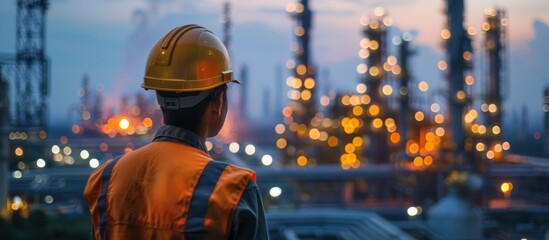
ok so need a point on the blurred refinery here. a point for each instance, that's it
(392, 159)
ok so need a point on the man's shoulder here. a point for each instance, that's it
(234, 166)
(235, 171)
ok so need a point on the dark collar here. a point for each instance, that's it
(180, 135)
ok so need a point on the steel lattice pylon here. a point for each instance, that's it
(31, 85)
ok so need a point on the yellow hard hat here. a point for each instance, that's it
(188, 58)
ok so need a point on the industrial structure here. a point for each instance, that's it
(358, 128)
(495, 46)
(301, 107)
(374, 50)
(29, 69)
(546, 120)
(378, 148)
(459, 52)
(32, 81)
(4, 144)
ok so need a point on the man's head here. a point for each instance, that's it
(189, 68)
(209, 113)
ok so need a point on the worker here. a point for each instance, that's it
(171, 188)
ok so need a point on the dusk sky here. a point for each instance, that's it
(110, 40)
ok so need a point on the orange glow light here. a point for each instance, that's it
(373, 110)
(429, 136)
(301, 69)
(19, 151)
(306, 95)
(361, 68)
(348, 129)
(428, 160)
(350, 148)
(364, 53)
(419, 116)
(301, 130)
(469, 80)
(346, 100)
(333, 141)
(467, 55)
(395, 137)
(418, 161)
(281, 143)
(357, 141)
(445, 34)
(374, 71)
(354, 122)
(357, 110)
(309, 83)
(147, 122)
(423, 86)
(442, 65)
(374, 45)
(76, 129)
(387, 90)
(414, 148)
(377, 123)
(396, 69)
(471, 31)
(439, 118)
(355, 100)
(302, 161)
(106, 129)
(506, 187)
(440, 131)
(287, 111)
(374, 25)
(124, 123)
(429, 146)
(314, 134)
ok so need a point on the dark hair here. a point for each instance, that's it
(188, 118)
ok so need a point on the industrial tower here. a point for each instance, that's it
(304, 71)
(546, 120)
(29, 68)
(495, 48)
(227, 24)
(4, 146)
(374, 51)
(404, 90)
(458, 50)
(301, 107)
(32, 78)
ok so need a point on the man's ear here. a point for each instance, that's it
(217, 103)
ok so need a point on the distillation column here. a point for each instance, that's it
(304, 71)
(375, 31)
(404, 54)
(457, 44)
(494, 26)
(546, 120)
(301, 105)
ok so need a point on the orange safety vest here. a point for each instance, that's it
(165, 190)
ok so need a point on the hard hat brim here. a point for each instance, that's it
(174, 103)
(178, 85)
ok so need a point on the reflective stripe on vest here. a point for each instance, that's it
(102, 201)
(200, 198)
